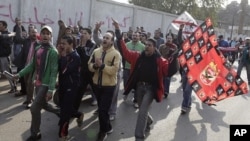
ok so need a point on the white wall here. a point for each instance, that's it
(87, 11)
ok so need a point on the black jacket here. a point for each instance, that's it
(21, 59)
(85, 53)
(5, 44)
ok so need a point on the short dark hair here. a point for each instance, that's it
(4, 23)
(70, 40)
(87, 29)
(152, 40)
(144, 34)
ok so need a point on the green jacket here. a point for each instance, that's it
(50, 71)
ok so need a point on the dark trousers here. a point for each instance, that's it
(67, 99)
(85, 81)
(22, 82)
(104, 96)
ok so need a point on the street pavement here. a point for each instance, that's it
(203, 123)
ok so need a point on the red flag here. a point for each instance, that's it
(210, 75)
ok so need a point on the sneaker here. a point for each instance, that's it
(102, 136)
(35, 138)
(28, 105)
(136, 105)
(79, 120)
(112, 117)
(94, 103)
(96, 112)
(110, 131)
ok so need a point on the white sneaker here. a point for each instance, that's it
(136, 105)
(112, 117)
(110, 131)
(94, 103)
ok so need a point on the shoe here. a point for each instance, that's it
(19, 94)
(166, 95)
(148, 128)
(136, 105)
(112, 117)
(96, 112)
(94, 103)
(79, 120)
(35, 138)
(12, 91)
(28, 105)
(102, 136)
(110, 131)
(65, 138)
(183, 111)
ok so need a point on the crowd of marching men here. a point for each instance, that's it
(83, 58)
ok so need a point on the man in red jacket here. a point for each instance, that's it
(148, 69)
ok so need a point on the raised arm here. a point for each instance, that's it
(127, 54)
(97, 36)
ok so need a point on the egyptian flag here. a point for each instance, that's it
(210, 75)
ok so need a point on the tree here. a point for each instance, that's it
(199, 10)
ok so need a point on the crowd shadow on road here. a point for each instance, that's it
(211, 116)
(186, 131)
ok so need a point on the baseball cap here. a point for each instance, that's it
(46, 27)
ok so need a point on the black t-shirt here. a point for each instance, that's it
(146, 69)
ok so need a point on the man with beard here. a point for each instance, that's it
(104, 62)
(135, 45)
(148, 69)
(23, 59)
(169, 52)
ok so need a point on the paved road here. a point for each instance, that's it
(203, 123)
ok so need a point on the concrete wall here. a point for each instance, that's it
(87, 11)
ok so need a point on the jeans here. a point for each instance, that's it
(240, 67)
(166, 83)
(17, 49)
(145, 98)
(113, 107)
(126, 73)
(29, 87)
(5, 66)
(187, 91)
(36, 107)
